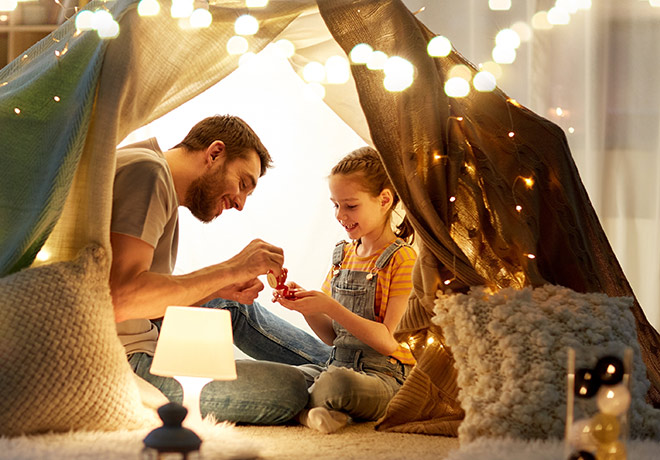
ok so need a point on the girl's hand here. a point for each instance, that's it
(309, 303)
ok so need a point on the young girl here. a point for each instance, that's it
(364, 297)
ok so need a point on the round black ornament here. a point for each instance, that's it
(586, 383)
(582, 455)
(609, 370)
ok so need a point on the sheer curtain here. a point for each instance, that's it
(596, 77)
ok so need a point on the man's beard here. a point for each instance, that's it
(203, 193)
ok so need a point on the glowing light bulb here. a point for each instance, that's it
(457, 87)
(360, 53)
(559, 111)
(8, 5)
(314, 91)
(237, 45)
(571, 6)
(511, 134)
(337, 70)
(108, 29)
(460, 71)
(148, 8)
(246, 25)
(181, 8)
(558, 16)
(430, 340)
(571, 130)
(376, 60)
(85, 20)
(201, 18)
(399, 73)
(447, 282)
(493, 68)
(499, 5)
(530, 256)
(540, 21)
(484, 81)
(285, 48)
(529, 182)
(43, 255)
(17, 111)
(101, 19)
(56, 98)
(518, 208)
(439, 46)
(523, 30)
(504, 55)
(452, 199)
(507, 38)
(314, 72)
(256, 3)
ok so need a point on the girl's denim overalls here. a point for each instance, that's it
(356, 379)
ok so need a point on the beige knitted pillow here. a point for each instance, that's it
(62, 366)
(510, 349)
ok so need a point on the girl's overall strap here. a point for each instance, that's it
(388, 253)
(338, 253)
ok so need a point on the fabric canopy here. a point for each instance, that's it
(490, 187)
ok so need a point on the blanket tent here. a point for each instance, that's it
(452, 160)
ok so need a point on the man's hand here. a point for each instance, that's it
(256, 259)
(244, 293)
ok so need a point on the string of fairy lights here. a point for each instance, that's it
(398, 73)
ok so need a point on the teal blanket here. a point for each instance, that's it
(46, 98)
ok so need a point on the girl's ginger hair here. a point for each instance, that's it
(366, 162)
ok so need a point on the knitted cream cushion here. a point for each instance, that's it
(62, 366)
(510, 349)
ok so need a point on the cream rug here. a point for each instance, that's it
(358, 441)
(223, 441)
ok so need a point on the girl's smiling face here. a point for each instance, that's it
(361, 214)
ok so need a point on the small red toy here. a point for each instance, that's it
(277, 283)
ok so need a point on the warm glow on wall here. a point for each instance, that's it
(8, 5)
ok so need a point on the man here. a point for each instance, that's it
(215, 168)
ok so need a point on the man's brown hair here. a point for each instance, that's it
(236, 134)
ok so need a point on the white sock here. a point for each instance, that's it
(323, 420)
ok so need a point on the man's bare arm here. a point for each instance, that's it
(139, 293)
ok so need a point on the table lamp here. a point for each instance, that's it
(195, 346)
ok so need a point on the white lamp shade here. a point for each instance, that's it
(195, 342)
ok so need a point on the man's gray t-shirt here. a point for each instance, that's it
(145, 206)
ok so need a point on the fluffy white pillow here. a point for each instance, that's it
(62, 365)
(510, 349)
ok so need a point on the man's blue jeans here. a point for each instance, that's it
(267, 391)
